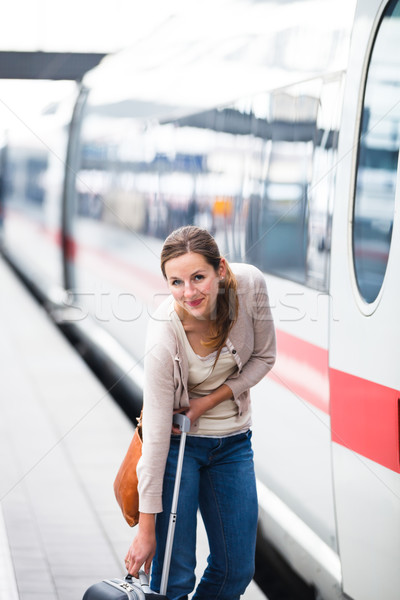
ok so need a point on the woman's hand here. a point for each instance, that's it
(199, 406)
(143, 547)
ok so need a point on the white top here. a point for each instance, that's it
(205, 376)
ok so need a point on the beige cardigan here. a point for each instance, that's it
(251, 342)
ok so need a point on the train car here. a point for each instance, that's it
(276, 126)
(32, 173)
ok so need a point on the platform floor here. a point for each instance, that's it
(62, 438)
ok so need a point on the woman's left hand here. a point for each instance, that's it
(198, 406)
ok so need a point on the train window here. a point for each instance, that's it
(275, 231)
(378, 156)
(277, 216)
(289, 215)
(256, 173)
(321, 189)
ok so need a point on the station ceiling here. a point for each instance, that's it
(47, 65)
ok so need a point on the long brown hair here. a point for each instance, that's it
(194, 239)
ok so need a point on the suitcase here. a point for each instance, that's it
(139, 589)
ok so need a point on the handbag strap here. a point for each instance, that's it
(139, 425)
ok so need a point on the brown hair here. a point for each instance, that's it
(194, 239)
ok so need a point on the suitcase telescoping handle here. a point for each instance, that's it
(183, 422)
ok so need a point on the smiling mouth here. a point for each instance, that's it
(195, 303)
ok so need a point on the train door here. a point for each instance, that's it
(365, 324)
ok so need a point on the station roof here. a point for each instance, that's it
(47, 65)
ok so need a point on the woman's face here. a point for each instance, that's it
(194, 283)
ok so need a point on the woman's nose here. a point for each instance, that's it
(189, 289)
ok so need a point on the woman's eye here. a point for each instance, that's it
(176, 282)
(198, 277)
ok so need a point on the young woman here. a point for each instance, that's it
(207, 345)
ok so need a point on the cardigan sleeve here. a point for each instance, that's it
(255, 315)
(158, 404)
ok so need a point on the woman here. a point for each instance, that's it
(208, 343)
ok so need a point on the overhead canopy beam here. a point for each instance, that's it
(47, 65)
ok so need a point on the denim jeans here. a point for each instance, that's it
(218, 478)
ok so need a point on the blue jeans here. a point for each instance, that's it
(217, 477)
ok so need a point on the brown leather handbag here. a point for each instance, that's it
(126, 481)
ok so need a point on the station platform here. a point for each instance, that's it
(62, 439)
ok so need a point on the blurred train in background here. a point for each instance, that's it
(279, 132)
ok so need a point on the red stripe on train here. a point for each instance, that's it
(70, 248)
(302, 368)
(365, 418)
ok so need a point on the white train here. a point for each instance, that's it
(276, 125)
